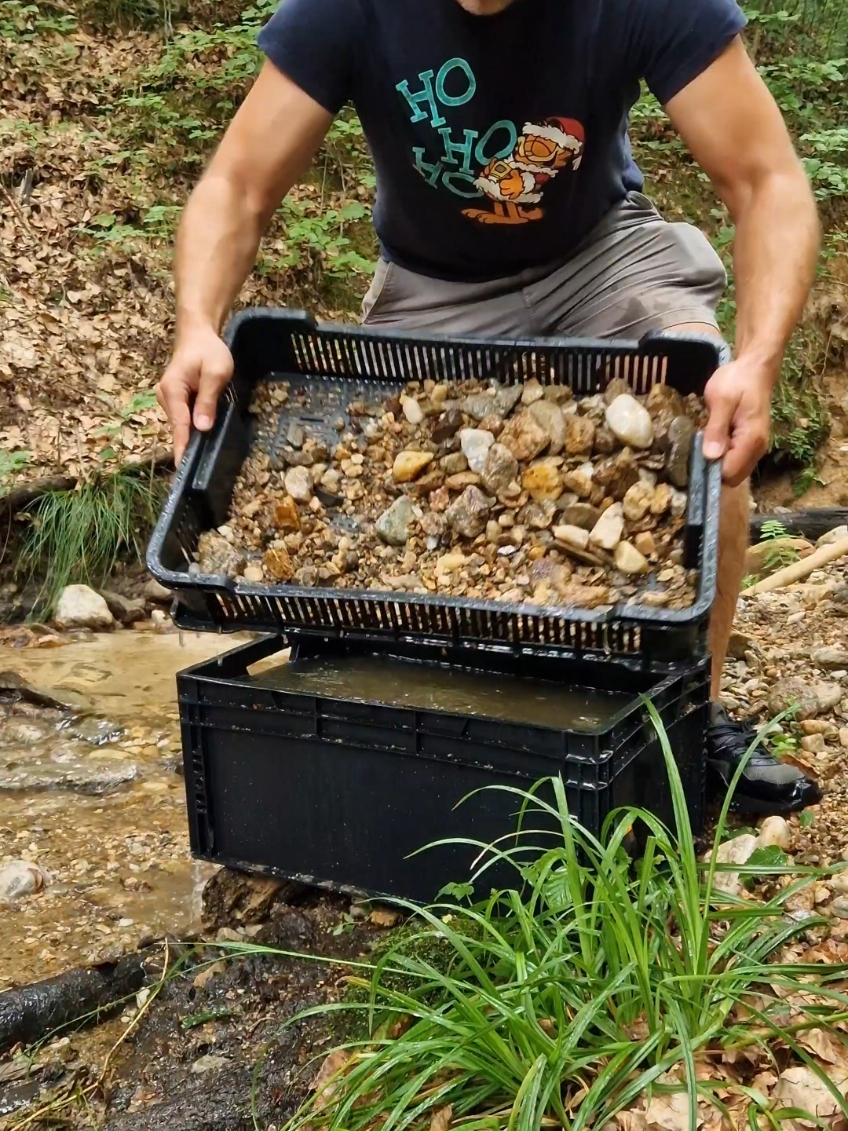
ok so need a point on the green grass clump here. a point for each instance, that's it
(597, 980)
(76, 537)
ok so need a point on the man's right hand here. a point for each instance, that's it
(200, 368)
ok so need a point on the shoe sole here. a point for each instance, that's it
(742, 803)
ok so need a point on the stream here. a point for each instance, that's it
(92, 793)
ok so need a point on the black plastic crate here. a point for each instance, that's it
(336, 365)
(339, 792)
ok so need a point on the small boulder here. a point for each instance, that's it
(218, 557)
(81, 607)
(447, 426)
(579, 435)
(637, 501)
(550, 417)
(629, 560)
(501, 469)
(542, 479)
(475, 445)
(630, 422)
(126, 610)
(775, 832)
(524, 437)
(408, 465)
(583, 515)
(467, 515)
(412, 410)
(299, 484)
(155, 591)
(393, 525)
(20, 878)
(609, 529)
(681, 436)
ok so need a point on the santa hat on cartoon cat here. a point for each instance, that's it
(566, 134)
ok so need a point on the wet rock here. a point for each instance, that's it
(605, 442)
(231, 897)
(277, 564)
(454, 463)
(630, 422)
(542, 480)
(20, 878)
(462, 480)
(467, 515)
(298, 482)
(524, 437)
(574, 537)
(579, 435)
(539, 515)
(609, 529)
(637, 501)
(629, 560)
(209, 1063)
(617, 387)
(831, 659)
(408, 465)
(579, 481)
(500, 470)
(617, 475)
(662, 398)
(126, 610)
(736, 851)
(587, 596)
(286, 514)
(681, 436)
(775, 832)
(154, 591)
(550, 417)
(393, 525)
(217, 556)
(832, 537)
(475, 447)
(479, 406)
(583, 515)
(81, 607)
(506, 398)
(447, 426)
(532, 392)
(661, 501)
(295, 435)
(412, 410)
(793, 692)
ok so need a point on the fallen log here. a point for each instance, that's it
(812, 524)
(799, 570)
(31, 1012)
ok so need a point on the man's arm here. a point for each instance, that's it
(268, 146)
(735, 132)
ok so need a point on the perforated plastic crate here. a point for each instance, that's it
(342, 790)
(333, 366)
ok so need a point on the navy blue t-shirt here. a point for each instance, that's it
(499, 141)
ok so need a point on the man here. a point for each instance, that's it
(508, 204)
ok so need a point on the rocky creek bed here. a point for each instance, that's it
(522, 494)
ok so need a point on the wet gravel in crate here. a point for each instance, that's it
(516, 493)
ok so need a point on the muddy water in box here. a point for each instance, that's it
(431, 687)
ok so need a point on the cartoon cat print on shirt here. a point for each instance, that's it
(542, 151)
(511, 169)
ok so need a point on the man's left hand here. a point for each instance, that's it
(738, 397)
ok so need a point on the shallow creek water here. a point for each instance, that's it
(92, 795)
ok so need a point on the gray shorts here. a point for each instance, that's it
(634, 273)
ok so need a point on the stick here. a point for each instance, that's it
(799, 570)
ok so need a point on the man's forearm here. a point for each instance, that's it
(216, 249)
(777, 243)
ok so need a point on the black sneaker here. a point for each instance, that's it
(767, 785)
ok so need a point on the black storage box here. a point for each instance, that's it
(341, 791)
(329, 367)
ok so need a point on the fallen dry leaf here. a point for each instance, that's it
(668, 1113)
(799, 1087)
(325, 1083)
(442, 1119)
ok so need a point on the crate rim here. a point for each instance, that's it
(622, 614)
(665, 682)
